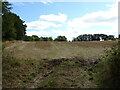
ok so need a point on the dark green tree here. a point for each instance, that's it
(6, 7)
(20, 28)
(111, 37)
(13, 27)
(44, 39)
(28, 38)
(94, 37)
(61, 38)
(50, 38)
(35, 38)
(105, 37)
(8, 29)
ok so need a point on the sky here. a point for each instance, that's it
(69, 19)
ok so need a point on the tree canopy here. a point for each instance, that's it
(6, 7)
(13, 27)
(61, 38)
(94, 37)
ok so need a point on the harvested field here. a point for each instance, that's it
(51, 64)
(52, 50)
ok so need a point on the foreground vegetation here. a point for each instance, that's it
(52, 64)
(109, 69)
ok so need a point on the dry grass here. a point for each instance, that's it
(95, 43)
(52, 50)
(36, 64)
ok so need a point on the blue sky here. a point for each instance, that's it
(31, 11)
(68, 18)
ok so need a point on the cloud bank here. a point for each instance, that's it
(57, 18)
(105, 22)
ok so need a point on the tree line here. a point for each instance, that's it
(94, 37)
(36, 38)
(84, 37)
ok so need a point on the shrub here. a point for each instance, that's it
(109, 74)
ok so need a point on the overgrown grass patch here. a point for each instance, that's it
(18, 73)
(68, 74)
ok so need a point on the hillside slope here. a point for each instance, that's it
(51, 64)
(52, 50)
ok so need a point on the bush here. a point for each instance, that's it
(109, 69)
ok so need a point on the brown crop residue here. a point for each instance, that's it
(42, 44)
(94, 43)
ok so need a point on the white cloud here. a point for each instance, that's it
(69, 33)
(47, 21)
(87, 23)
(57, 18)
(41, 25)
(46, 1)
(82, 25)
(100, 18)
(95, 18)
(39, 33)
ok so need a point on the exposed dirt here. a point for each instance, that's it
(51, 64)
